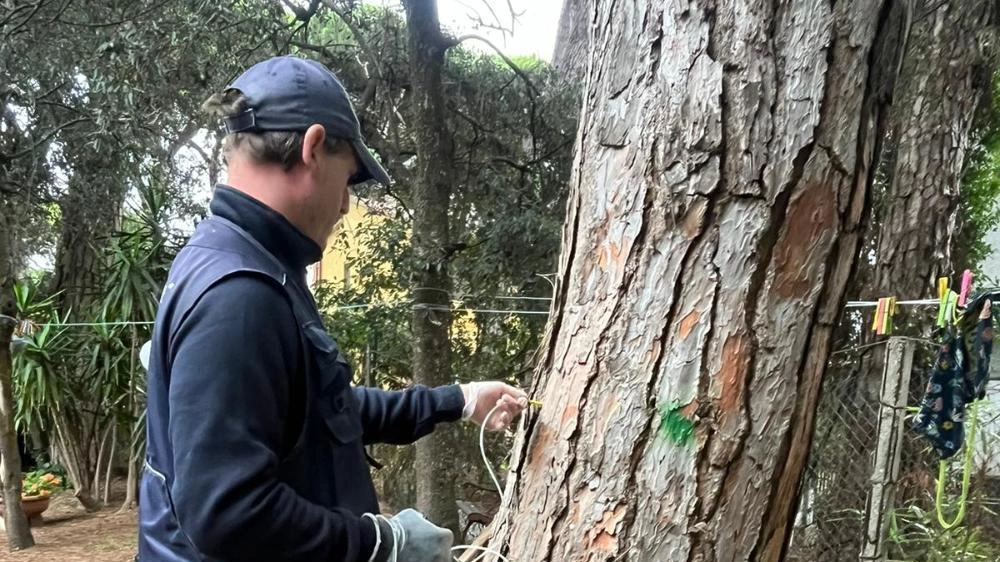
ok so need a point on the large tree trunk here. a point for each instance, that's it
(723, 170)
(431, 194)
(16, 524)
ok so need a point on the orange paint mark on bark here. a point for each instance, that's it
(688, 323)
(602, 259)
(616, 253)
(540, 450)
(569, 413)
(732, 374)
(689, 410)
(602, 536)
(810, 215)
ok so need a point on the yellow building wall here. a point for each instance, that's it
(344, 244)
(333, 266)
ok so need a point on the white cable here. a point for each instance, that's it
(378, 535)
(482, 449)
(398, 536)
(76, 324)
(496, 482)
(482, 549)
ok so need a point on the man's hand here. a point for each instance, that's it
(409, 537)
(482, 397)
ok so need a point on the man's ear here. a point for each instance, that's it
(312, 143)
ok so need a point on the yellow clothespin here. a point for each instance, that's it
(943, 304)
(877, 321)
(890, 311)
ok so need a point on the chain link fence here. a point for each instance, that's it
(837, 484)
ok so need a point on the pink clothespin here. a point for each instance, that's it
(966, 286)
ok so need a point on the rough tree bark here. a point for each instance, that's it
(723, 169)
(16, 524)
(569, 57)
(431, 194)
(942, 85)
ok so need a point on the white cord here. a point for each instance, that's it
(482, 549)
(482, 449)
(378, 535)
(398, 537)
(496, 482)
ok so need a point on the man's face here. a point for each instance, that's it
(331, 195)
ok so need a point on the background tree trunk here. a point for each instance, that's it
(942, 83)
(18, 532)
(90, 215)
(90, 211)
(724, 166)
(431, 193)
(569, 57)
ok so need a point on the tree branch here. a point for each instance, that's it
(22, 23)
(519, 167)
(358, 36)
(532, 90)
(303, 15)
(131, 18)
(45, 138)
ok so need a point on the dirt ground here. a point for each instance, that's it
(69, 534)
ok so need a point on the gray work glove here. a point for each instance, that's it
(414, 539)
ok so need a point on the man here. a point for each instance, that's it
(255, 435)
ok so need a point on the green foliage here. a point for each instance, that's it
(915, 536)
(71, 381)
(980, 205)
(39, 389)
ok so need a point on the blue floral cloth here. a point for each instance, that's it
(958, 379)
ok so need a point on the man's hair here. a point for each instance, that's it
(264, 147)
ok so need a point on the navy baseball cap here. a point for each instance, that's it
(289, 93)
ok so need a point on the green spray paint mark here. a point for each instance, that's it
(674, 426)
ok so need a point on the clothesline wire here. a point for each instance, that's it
(849, 304)
(883, 342)
(474, 296)
(338, 308)
(871, 304)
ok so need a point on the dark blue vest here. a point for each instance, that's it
(326, 465)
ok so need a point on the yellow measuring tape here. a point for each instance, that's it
(966, 474)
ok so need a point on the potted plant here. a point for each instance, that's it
(36, 488)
